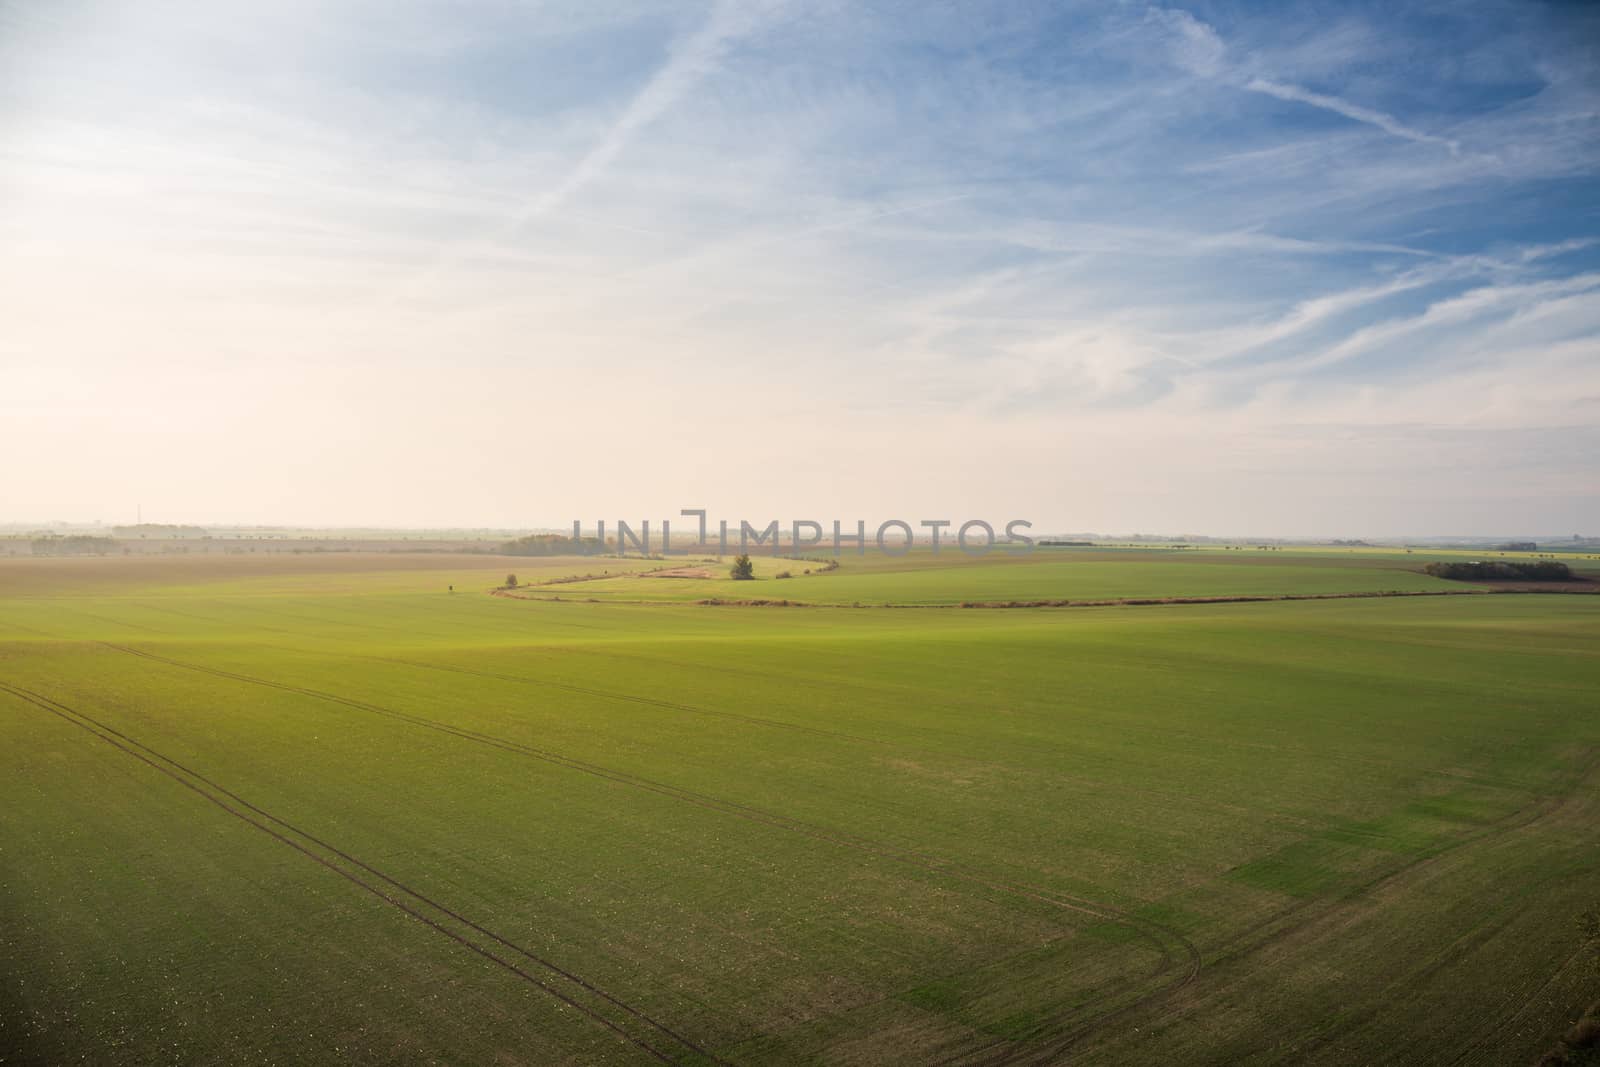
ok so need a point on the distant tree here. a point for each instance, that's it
(73, 545)
(1485, 570)
(553, 545)
(742, 570)
(511, 581)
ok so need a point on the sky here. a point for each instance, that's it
(1294, 269)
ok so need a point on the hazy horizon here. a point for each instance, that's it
(684, 529)
(1252, 269)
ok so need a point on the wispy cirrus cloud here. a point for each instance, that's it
(688, 61)
(1159, 260)
(1370, 116)
(1198, 48)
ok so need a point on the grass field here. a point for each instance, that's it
(952, 577)
(315, 809)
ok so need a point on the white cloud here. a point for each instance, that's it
(1197, 48)
(372, 272)
(1386, 123)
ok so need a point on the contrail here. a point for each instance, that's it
(1386, 123)
(690, 61)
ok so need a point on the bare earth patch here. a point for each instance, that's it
(680, 572)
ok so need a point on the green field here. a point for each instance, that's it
(952, 577)
(320, 809)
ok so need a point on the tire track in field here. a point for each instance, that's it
(892, 746)
(567, 687)
(1172, 946)
(1278, 927)
(212, 792)
(1150, 931)
(1474, 939)
(604, 693)
(30, 630)
(623, 777)
(653, 702)
(1233, 811)
(114, 622)
(735, 716)
(408, 631)
(1510, 1017)
(1169, 731)
(1539, 809)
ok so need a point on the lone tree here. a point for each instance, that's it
(743, 570)
(511, 581)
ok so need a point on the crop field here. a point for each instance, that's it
(307, 809)
(954, 578)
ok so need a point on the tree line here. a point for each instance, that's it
(73, 545)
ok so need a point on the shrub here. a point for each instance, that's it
(742, 570)
(783, 574)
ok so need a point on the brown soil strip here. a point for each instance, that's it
(1116, 602)
(1255, 598)
(1576, 584)
(658, 572)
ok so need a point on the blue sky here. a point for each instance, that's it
(1269, 269)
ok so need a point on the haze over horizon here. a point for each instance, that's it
(684, 528)
(1212, 267)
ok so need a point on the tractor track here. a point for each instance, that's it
(897, 747)
(212, 792)
(1511, 1015)
(1281, 926)
(632, 698)
(1467, 943)
(1170, 945)
(1173, 948)
(839, 837)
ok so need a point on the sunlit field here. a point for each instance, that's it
(313, 809)
(952, 577)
